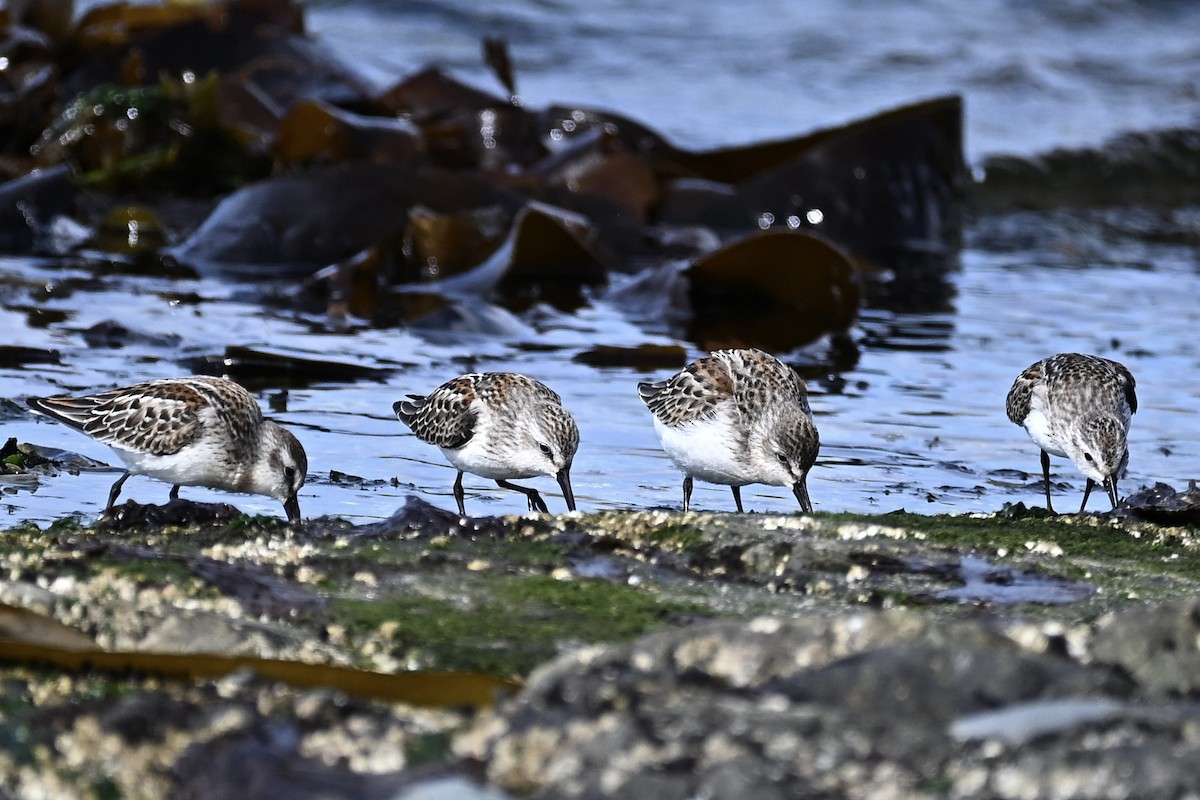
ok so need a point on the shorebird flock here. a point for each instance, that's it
(734, 418)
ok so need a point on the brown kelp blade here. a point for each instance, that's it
(886, 185)
(31, 639)
(313, 130)
(773, 290)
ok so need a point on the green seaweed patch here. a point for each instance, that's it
(105, 788)
(254, 523)
(504, 625)
(21, 538)
(158, 572)
(453, 549)
(1080, 536)
(681, 537)
(70, 525)
(428, 749)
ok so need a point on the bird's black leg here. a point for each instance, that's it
(115, 490)
(174, 495)
(458, 494)
(1046, 479)
(536, 503)
(737, 497)
(687, 491)
(1087, 490)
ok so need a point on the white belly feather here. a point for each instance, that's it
(705, 450)
(195, 465)
(1037, 425)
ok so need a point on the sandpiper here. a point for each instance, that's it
(498, 425)
(196, 431)
(1079, 407)
(736, 417)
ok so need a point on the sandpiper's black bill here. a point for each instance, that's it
(292, 507)
(1110, 485)
(800, 489)
(564, 481)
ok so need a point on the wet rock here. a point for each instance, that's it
(449, 788)
(16, 356)
(13, 455)
(416, 516)
(148, 716)
(262, 762)
(1165, 505)
(259, 591)
(28, 204)
(201, 632)
(297, 223)
(858, 706)
(252, 367)
(132, 514)
(1157, 647)
(644, 356)
(33, 456)
(28, 620)
(241, 737)
(114, 334)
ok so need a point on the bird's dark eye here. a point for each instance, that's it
(1088, 458)
(289, 474)
(782, 458)
(546, 449)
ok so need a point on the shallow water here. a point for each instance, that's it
(918, 423)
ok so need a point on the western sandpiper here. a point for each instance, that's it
(498, 425)
(197, 431)
(1079, 407)
(736, 417)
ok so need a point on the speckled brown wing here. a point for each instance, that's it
(1128, 385)
(760, 380)
(444, 417)
(694, 393)
(1021, 393)
(227, 404)
(159, 417)
(498, 388)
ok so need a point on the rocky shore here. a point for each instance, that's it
(637, 654)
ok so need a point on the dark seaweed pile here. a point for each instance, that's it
(222, 140)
